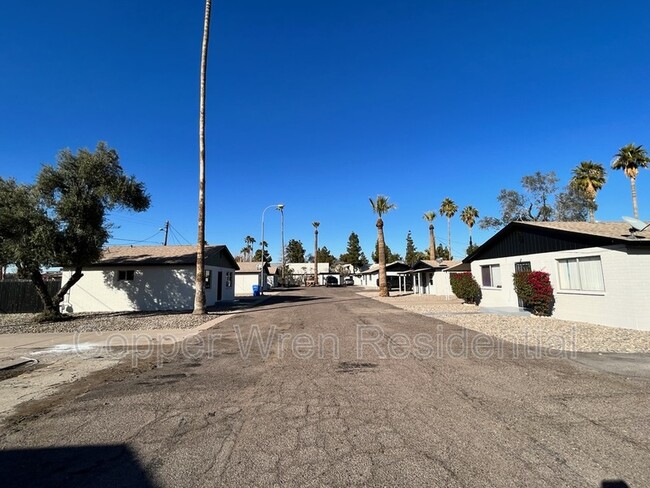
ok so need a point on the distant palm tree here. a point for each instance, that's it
(199, 284)
(448, 208)
(248, 249)
(630, 158)
(429, 216)
(316, 225)
(469, 216)
(589, 177)
(380, 206)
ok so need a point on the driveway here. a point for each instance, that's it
(324, 387)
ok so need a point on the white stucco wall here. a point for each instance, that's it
(244, 283)
(623, 303)
(153, 288)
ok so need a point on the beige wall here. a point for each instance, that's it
(622, 304)
(153, 288)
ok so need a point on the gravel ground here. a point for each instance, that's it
(19, 323)
(532, 331)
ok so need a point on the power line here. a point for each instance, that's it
(135, 241)
(174, 229)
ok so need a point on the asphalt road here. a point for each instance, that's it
(323, 387)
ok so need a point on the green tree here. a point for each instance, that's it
(572, 205)
(539, 201)
(629, 159)
(411, 256)
(471, 249)
(62, 218)
(258, 255)
(443, 252)
(448, 208)
(199, 284)
(429, 217)
(295, 252)
(325, 256)
(469, 216)
(390, 256)
(589, 178)
(380, 207)
(354, 254)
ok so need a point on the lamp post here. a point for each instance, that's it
(281, 209)
(278, 206)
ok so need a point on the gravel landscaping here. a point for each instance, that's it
(19, 323)
(531, 331)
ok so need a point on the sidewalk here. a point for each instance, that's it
(16, 345)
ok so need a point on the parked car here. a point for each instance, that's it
(331, 281)
(348, 280)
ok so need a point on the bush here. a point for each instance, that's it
(535, 290)
(465, 287)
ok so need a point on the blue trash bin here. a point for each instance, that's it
(256, 290)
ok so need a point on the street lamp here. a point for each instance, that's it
(278, 206)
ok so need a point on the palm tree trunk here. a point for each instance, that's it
(634, 204)
(449, 236)
(199, 285)
(316, 257)
(432, 243)
(592, 214)
(381, 250)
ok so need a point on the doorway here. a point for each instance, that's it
(219, 285)
(519, 267)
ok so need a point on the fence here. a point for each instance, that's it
(19, 296)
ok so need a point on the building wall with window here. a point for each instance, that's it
(136, 288)
(600, 285)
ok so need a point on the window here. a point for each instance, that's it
(125, 275)
(581, 274)
(491, 276)
(228, 279)
(208, 279)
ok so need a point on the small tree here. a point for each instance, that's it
(465, 287)
(535, 291)
(61, 220)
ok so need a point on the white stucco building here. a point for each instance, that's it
(600, 272)
(249, 274)
(130, 278)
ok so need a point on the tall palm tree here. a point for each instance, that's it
(315, 224)
(429, 216)
(247, 250)
(380, 206)
(199, 285)
(630, 158)
(589, 177)
(448, 208)
(469, 216)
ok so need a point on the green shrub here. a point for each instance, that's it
(535, 291)
(465, 287)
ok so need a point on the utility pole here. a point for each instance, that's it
(166, 232)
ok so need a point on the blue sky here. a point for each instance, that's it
(323, 104)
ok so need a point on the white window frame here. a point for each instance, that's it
(494, 283)
(578, 278)
(229, 275)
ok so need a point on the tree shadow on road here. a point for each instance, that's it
(78, 466)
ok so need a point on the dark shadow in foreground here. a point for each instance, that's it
(78, 466)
